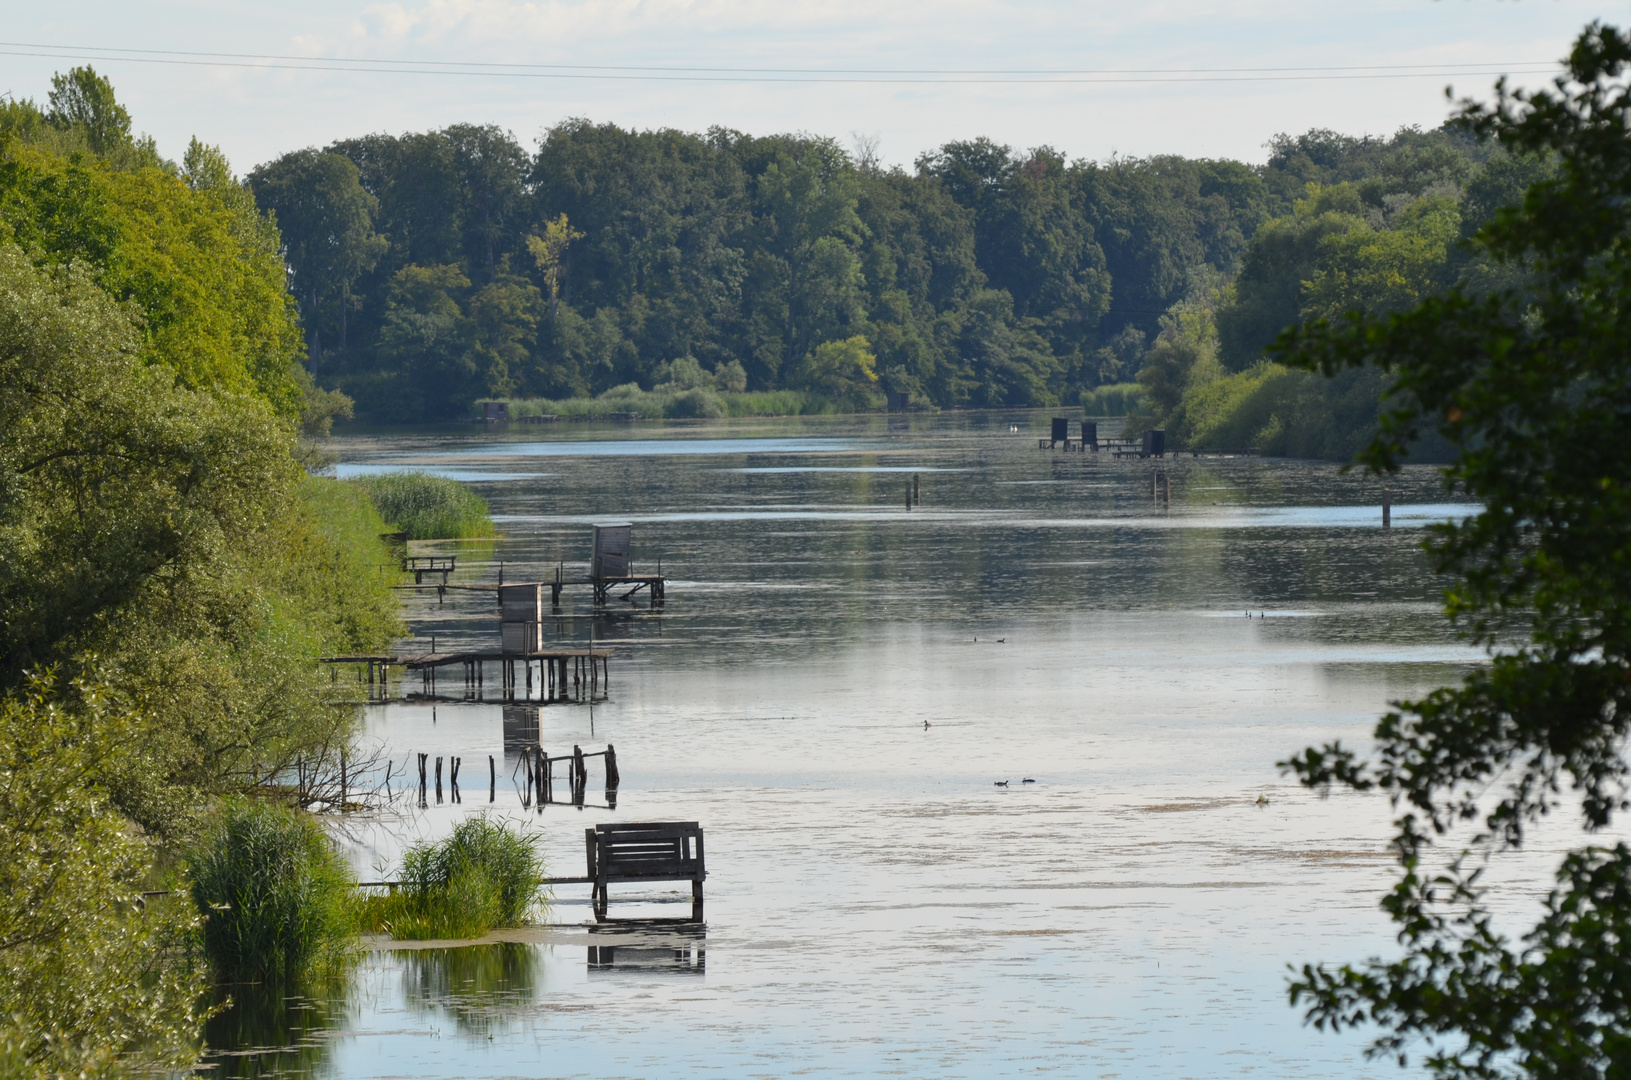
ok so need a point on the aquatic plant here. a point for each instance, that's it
(277, 899)
(484, 874)
(428, 507)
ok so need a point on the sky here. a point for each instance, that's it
(1090, 78)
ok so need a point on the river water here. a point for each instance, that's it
(850, 696)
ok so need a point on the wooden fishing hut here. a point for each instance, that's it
(611, 566)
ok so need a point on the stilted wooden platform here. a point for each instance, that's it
(562, 674)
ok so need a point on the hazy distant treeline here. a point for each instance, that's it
(433, 269)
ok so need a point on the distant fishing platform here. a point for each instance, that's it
(527, 664)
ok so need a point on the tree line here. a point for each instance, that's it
(434, 269)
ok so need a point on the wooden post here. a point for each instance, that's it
(1387, 508)
(580, 774)
(438, 779)
(546, 776)
(612, 778)
(492, 778)
(1166, 489)
(422, 758)
(917, 491)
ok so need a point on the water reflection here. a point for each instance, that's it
(687, 958)
(478, 987)
(267, 1031)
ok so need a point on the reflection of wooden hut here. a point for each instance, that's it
(520, 726)
(521, 617)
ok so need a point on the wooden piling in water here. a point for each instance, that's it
(1387, 508)
(612, 778)
(492, 779)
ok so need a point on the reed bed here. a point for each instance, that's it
(276, 898)
(688, 404)
(427, 507)
(483, 875)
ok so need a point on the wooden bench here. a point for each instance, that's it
(420, 565)
(646, 851)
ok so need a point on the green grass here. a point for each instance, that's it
(276, 898)
(485, 874)
(694, 403)
(1118, 399)
(428, 507)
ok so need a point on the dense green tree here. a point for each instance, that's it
(195, 255)
(736, 249)
(327, 223)
(1532, 389)
(86, 100)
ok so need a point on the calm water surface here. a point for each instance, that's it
(833, 689)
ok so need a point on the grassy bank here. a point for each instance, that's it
(693, 404)
(1117, 399)
(427, 507)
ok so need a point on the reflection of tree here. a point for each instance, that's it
(479, 986)
(269, 1031)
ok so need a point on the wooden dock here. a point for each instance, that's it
(562, 674)
(656, 586)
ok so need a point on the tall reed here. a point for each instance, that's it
(276, 898)
(428, 507)
(484, 874)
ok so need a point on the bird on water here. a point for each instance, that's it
(999, 783)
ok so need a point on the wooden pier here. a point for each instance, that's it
(562, 674)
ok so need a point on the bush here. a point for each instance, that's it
(485, 874)
(696, 404)
(277, 900)
(428, 507)
(92, 981)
